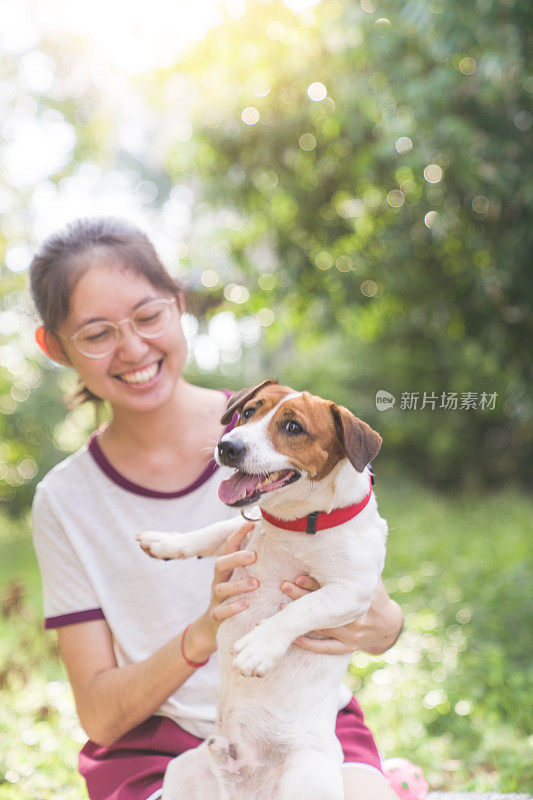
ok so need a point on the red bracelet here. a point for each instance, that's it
(190, 663)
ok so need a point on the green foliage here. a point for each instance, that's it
(389, 221)
(39, 733)
(26, 422)
(455, 693)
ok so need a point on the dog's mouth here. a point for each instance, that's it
(242, 489)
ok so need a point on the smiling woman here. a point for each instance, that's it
(132, 671)
(85, 263)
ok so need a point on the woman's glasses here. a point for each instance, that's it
(98, 339)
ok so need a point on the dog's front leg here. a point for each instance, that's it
(333, 605)
(203, 542)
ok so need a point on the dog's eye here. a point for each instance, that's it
(247, 413)
(292, 427)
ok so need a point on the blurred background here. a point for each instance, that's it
(345, 188)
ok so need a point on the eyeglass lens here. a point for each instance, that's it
(148, 321)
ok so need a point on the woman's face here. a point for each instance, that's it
(139, 374)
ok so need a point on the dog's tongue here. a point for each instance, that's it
(231, 489)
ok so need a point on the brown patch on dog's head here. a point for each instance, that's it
(316, 448)
(238, 400)
(328, 434)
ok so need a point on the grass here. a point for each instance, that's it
(454, 695)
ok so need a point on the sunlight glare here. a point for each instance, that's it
(135, 38)
(301, 5)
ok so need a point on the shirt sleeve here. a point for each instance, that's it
(68, 595)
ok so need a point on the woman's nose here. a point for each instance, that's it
(130, 344)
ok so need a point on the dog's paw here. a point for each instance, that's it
(256, 653)
(165, 545)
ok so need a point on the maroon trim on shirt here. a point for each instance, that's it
(96, 452)
(71, 619)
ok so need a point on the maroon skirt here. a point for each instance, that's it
(133, 768)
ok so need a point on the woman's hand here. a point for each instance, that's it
(201, 636)
(374, 632)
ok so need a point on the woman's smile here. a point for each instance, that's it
(141, 377)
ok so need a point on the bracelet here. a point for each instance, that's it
(194, 664)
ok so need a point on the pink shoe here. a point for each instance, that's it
(407, 780)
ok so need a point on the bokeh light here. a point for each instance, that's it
(307, 141)
(349, 207)
(276, 30)
(396, 198)
(433, 173)
(369, 288)
(344, 263)
(265, 317)
(250, 115)
(209, 278)
(236, 293)
(267, 281)
(383, 26)
(404, 145)
(324, 260)
(431, 218)
(317, 92)
(480, 204)
(467, 65)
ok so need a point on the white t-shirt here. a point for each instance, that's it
(85, 518)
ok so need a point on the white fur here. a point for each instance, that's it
(275, 733)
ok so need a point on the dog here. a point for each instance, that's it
(304, 460)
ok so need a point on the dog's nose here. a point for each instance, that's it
(231, 453)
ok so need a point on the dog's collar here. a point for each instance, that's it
(319, 520)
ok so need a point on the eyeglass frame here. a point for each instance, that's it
(116, 326)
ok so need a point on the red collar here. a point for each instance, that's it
(319, 520)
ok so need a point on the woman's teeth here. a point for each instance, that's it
(141, 375)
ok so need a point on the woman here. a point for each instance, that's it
(137, 635)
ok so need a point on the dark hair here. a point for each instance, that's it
(65, 256)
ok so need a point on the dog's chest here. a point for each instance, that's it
(281, 556)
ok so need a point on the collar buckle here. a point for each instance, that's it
(311, 522)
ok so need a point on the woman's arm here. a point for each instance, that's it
(374, 632)
(112, 700)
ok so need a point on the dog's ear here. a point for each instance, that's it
(237, 400)
(360, 441)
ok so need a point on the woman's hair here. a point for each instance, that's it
(65, 256)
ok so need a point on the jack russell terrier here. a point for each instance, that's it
(304, 461)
